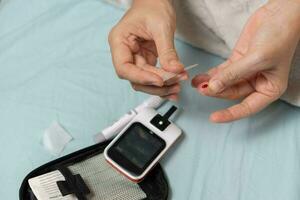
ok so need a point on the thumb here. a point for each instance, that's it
(167, 53)
(234, 72)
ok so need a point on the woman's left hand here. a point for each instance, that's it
(258, 69)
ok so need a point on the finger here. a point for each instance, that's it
(238, 53)
(249, 106)
(159, 91)
(170, 79)
(149, 51)
(167, 77)
(213, 71)
(237, 91)
(151, 58)
(139, 60)
(199, 79)
(123, 62)
(132, 43)
(172, 97)
(149, 45)
(232, 74)
(167, 54)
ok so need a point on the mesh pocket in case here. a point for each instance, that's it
(103, 182)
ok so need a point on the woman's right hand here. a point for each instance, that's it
(143, 35)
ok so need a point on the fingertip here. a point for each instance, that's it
(204, 85)
(174, 90)
(171, 78)
(200, 78)
(160, 83)
(157, 81)
(215, 117)
(203, 88)
(221, 116)
(173, 97)
(174, 66)
(183, 76)
(194, 83)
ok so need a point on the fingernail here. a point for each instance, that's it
(215, 86)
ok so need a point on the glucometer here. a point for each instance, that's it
(142, 143)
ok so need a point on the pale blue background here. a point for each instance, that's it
(55, 65)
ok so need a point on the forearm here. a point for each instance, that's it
(289, 12)
(154, 1)
(158, 5)
(147, 2)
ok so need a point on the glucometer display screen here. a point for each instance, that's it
(136, 148)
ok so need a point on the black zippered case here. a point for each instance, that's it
(154, 185)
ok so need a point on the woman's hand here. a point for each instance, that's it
(259, 66)
(145, 33)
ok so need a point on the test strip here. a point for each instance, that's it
(191, 67)
(169, 75)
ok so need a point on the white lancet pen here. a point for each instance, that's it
(113, 130)
(152, 102)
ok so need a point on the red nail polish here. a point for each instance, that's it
(204, 86)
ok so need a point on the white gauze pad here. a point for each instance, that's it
(55, 139)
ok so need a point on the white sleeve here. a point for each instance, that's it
(292, 94)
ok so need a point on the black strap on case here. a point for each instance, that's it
(73, 184)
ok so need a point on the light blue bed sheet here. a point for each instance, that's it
(55, 65)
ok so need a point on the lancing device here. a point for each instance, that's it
(113, 130)
(152, 102)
